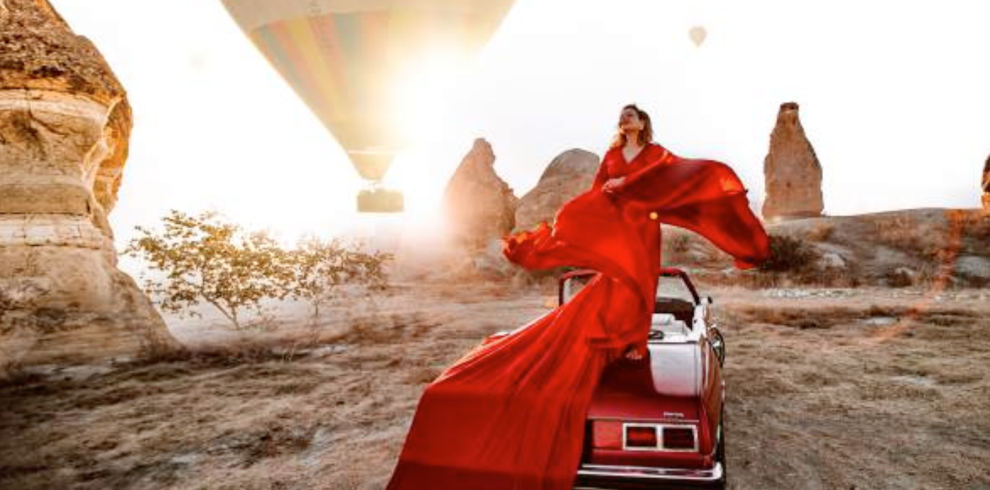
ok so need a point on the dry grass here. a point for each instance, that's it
(306, 408)
(898, 232)
(869, 392)
(827, 397)
(821, 232)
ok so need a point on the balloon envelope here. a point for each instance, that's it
(698, 35)
(346, 58)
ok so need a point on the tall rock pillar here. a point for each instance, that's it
(64, 129)
(479, 206)
(792, 171)
(986, 187)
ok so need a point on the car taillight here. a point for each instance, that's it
(641, 437)
(606, 434)
(678, 438)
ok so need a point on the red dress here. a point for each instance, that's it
(510, 413)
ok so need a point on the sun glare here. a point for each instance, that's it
(420, 96)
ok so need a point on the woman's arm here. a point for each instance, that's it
(602, 180)
(602, 176)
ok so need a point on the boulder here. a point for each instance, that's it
(831, 261)
(568, 175)
(973, 267)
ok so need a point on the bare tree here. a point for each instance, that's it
(322, 269)
(204, 258)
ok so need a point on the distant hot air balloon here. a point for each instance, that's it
(345, 58)
(698, 35)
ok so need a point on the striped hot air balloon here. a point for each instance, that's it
(344, 58)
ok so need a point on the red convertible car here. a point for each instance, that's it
(657, 423)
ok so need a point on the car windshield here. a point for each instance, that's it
(668, 288)
(574, 284)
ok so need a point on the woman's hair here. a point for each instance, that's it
(645, 136)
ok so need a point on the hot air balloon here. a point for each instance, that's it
(698, 35)
(345, 58)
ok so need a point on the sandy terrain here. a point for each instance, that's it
(828, 388)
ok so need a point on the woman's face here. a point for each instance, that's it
(629, 120)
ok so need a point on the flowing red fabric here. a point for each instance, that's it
(510, 413)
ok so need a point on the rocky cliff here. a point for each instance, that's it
(64, 128)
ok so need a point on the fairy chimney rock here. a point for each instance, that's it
(568, 175)
(792, 171)
(479, 206)
(986, 186)
(64, 130)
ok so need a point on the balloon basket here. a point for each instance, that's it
(380, 200)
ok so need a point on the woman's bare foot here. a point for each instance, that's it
(633, 354)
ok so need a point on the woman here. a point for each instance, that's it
(510, 413)
(631, 149)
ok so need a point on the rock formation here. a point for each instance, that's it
(568, 175)
(64, 129)
(793, 173)
(480, 207)
(986, 187)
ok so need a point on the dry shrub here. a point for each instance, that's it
(898, 232)
(888, 311)
(789, 254)
(422, 375)
(820, 318)
(899, 278)
(676, 247)
(798, 317)
(822, 232)
(850, 276)
(949, 317)
(372, 330)
(273, 439)
(14, 374)
(380, 329)
(975, 224)
(932, 322)
(244, 351)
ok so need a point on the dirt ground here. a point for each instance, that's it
(827, 389)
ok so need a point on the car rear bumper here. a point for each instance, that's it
(602, 477)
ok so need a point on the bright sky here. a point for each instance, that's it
(894, 97)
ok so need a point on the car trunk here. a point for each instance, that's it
(665, 388)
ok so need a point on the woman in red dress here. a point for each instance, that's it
(510, 413)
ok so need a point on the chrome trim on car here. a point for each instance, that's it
(650, 473)
(658, 432)
(694, 436)
(644, 421)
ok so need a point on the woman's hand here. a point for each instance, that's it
(611, 184)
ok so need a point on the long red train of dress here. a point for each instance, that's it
(510, 413)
